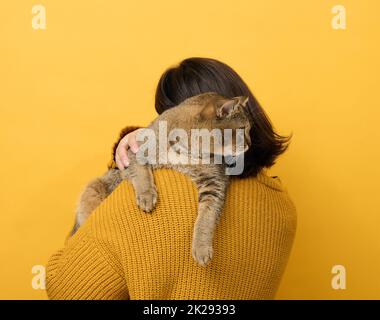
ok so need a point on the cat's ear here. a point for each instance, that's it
(224, 108)
(243, 100)
(231, 106)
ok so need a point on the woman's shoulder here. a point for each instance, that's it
(178, 193)
(264, 195)
(171, 181)
(174, 186)
(170, 175)
(272, 182)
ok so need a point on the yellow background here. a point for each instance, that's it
(65, 93)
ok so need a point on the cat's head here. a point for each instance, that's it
(230, 114)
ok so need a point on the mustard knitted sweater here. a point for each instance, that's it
(124, 253)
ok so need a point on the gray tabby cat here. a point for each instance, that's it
(206, 111)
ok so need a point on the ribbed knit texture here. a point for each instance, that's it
(124, 253)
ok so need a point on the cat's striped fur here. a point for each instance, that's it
(206, 111)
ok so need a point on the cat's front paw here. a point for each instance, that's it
(147, 200)
(202, 253)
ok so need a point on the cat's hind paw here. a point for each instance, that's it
(147, 200)
(202, 254)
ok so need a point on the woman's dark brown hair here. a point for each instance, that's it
(194, 76)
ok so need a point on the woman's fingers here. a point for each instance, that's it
(132, 141)
(121, 156)
(121, 151)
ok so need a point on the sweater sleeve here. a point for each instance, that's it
(82, 270)
(123, 133)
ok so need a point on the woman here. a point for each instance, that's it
(122, 253)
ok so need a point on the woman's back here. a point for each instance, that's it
(122, 252)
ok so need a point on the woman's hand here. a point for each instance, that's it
(128, 142)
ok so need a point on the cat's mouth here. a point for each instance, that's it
(230, 160)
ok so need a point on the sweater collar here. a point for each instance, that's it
(273, 182)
